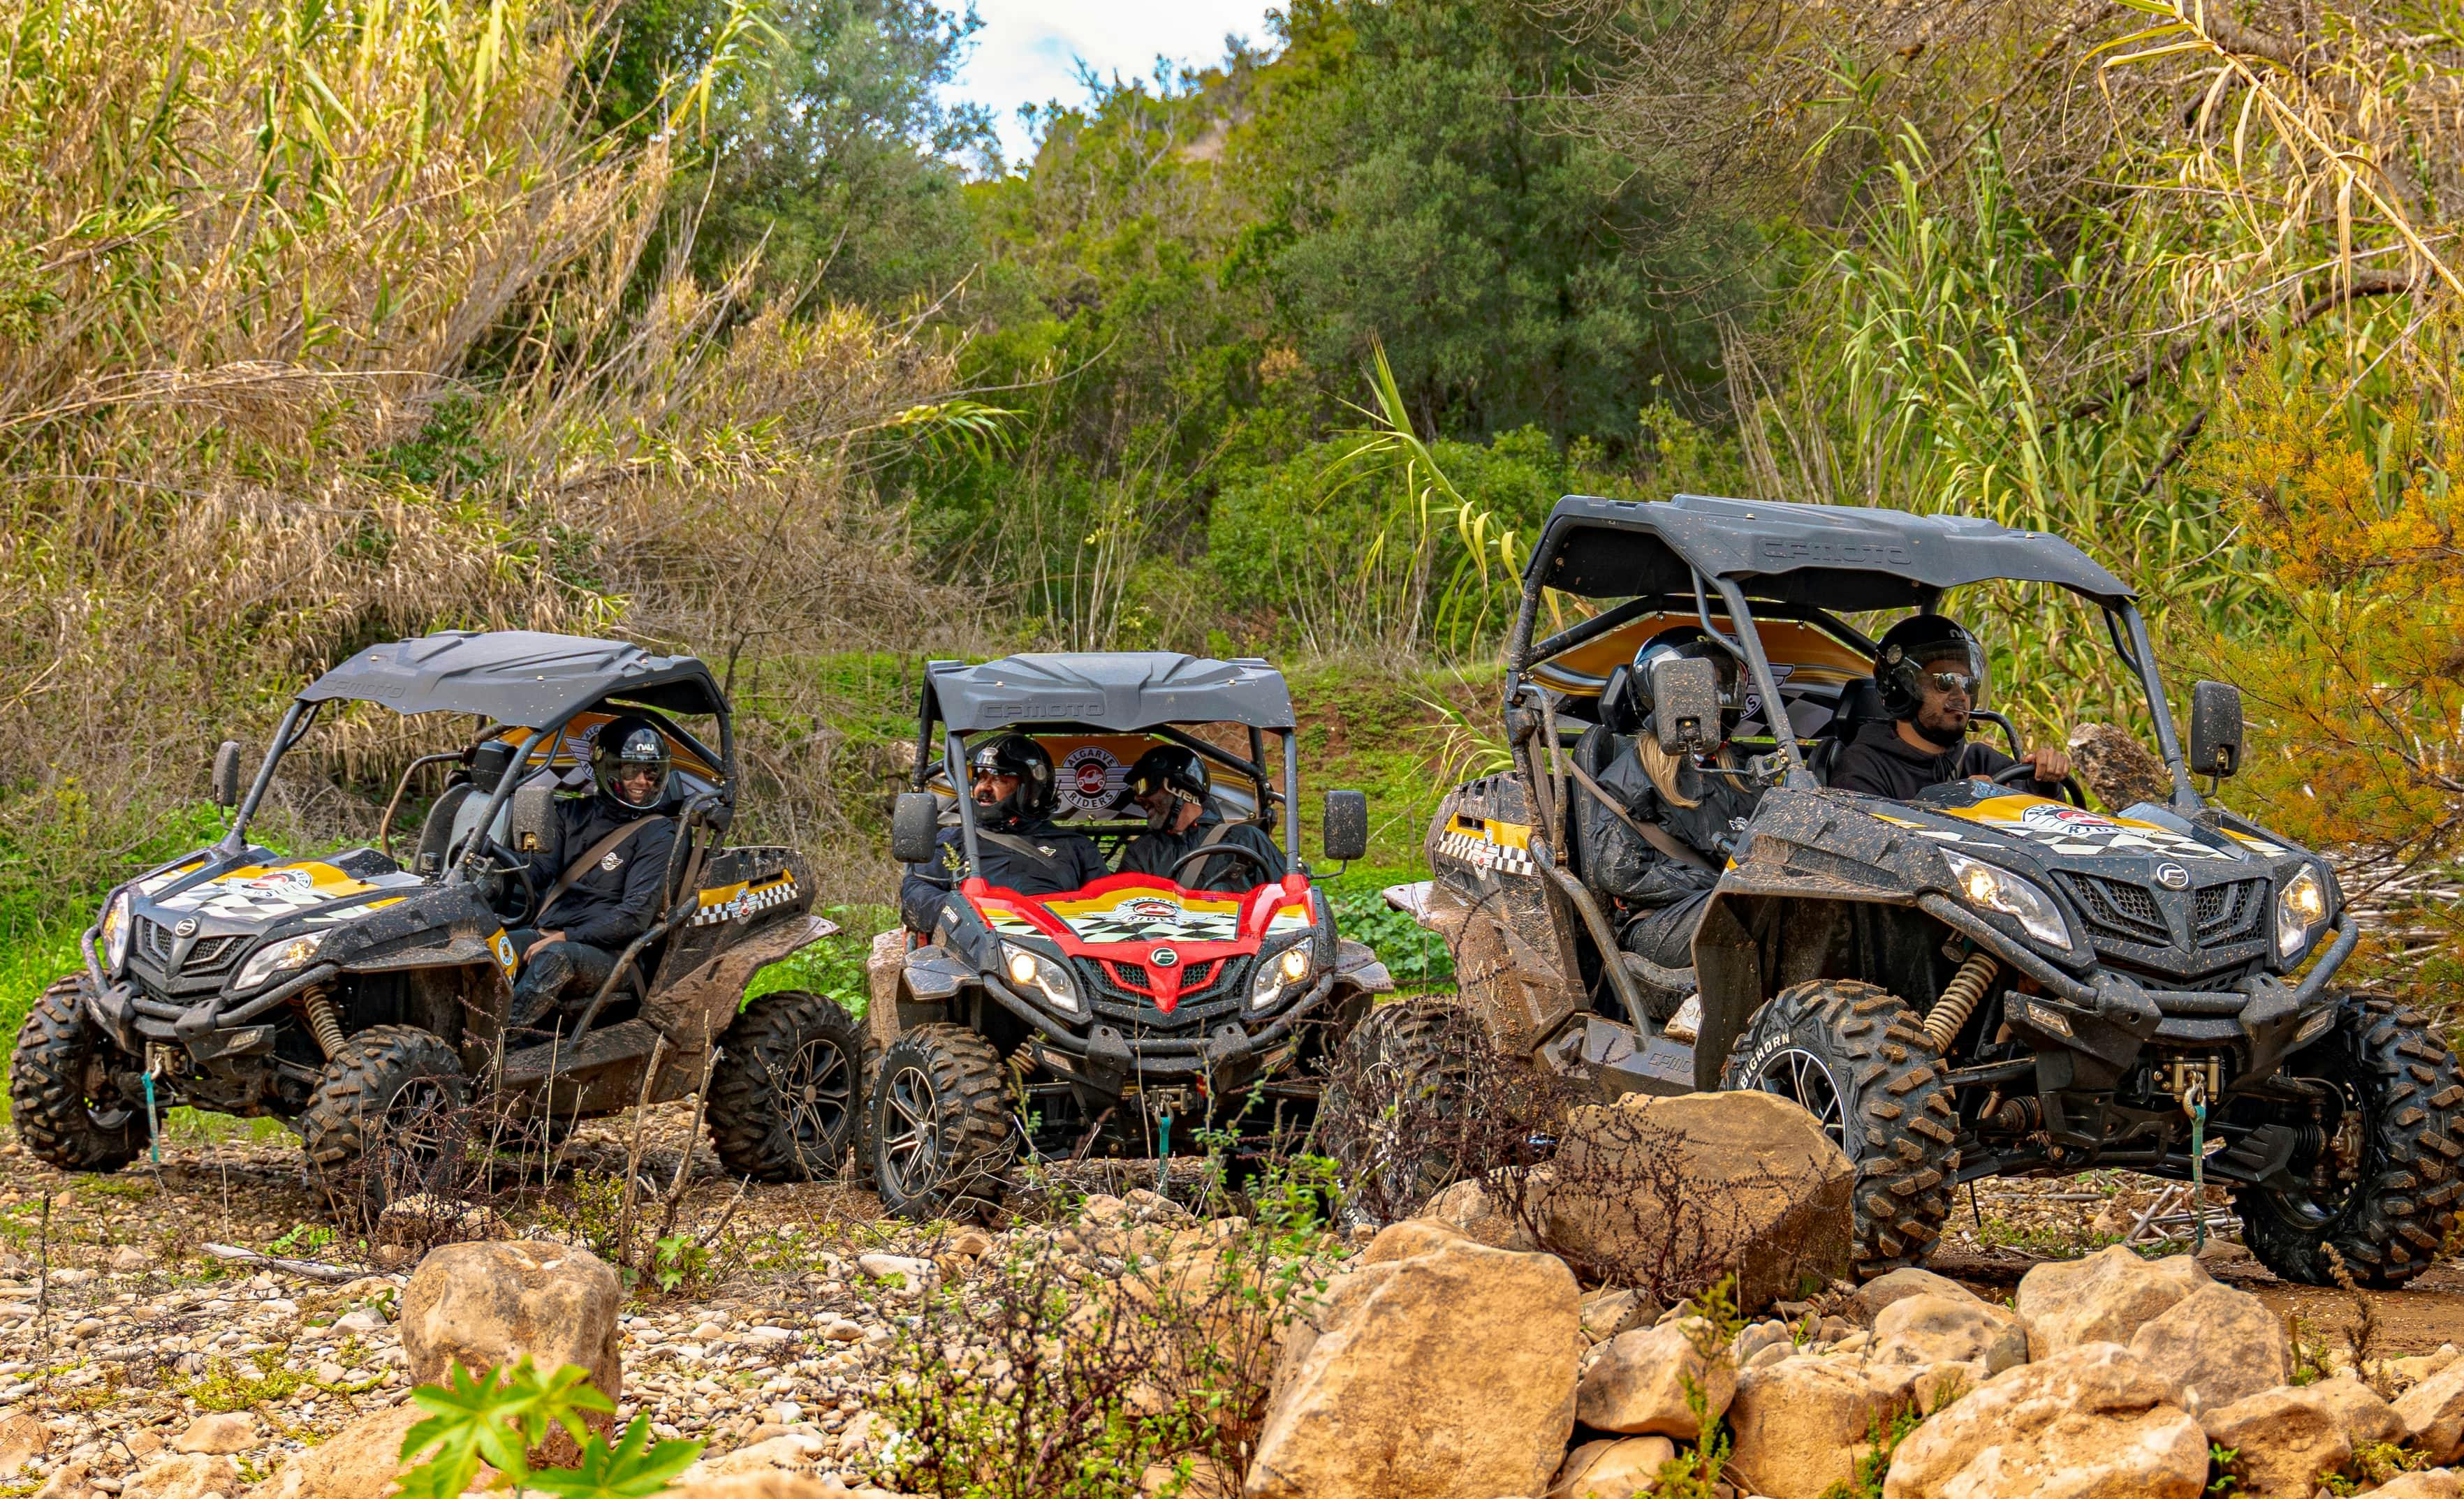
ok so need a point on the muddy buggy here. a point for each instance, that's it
(361, 996)
(1127, 1016)
(1976, 983)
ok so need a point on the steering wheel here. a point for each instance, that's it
(1235, 850)
(2013, 774)
(505, 871)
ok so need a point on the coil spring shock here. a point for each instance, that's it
(1959, 999)
(322, 1023)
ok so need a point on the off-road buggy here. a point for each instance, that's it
(1979, 982)
(361, 997)
(1123, 1017)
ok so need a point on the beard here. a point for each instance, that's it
(1942, 736)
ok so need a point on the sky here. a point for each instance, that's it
(1028, 51)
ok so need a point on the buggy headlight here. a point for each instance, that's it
(1277, 972)
(2299, 907)
(1992, 888)
(116, 927)
(1032, 969)
(274, 957)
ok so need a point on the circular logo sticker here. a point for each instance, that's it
(2172, 876)
(187, 928)
(1152, 910)
(1089, 779)
(1163, 957)
(2055, 817)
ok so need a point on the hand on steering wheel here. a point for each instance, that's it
(2023, 770)
(1235, 850)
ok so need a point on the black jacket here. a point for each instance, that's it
(1879, 762)
(618, 898)
(1155, 853)
(1621, 863)
(1041, 859)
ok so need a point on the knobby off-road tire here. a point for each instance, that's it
(65, 1114)
(1857, 1057)
(939, 1126)
(787, 1093)
(1396, 1101)
(385, 1118)
(2411, 1093)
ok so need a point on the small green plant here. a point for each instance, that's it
(678, 1258)
(2380, 1461)
(2220, 1462)
(1712, 1331)
(500, 1417)
(305, 1237)
(227, 1386)
(1883, 1439)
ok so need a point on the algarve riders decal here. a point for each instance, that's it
(259, 893)
(1090, 778)
(1143, 914)
(2062, 829)
(1482, 843)
(744, 898)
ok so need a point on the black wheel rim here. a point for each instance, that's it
(911, 1133)
(2307, 1211)
(1796, 1074)
(818, 1088)
(105, 1110)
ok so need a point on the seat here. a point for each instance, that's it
(1593, 753)
(1860, 703)
(437, 829)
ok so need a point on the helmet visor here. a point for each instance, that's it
(1954, 666)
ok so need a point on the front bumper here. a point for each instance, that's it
(1110, 1059)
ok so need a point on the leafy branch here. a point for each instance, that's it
(501, 1417)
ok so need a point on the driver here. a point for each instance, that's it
(625, 835)
(1931, 673)
(1169, 784)
(1011, 782)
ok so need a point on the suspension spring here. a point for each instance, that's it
(1959, 998)
(322, 1023)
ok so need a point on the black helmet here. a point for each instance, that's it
(1165, 768)
(1689, 642)
(1919, 644)
(1035, 795)
(626, 742)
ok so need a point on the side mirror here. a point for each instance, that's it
(1685, 704)
(226, 774)
(1346, 826)
(914, 827)
(528, 814)
(2215, 728)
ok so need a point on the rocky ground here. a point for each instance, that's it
(125, 1339)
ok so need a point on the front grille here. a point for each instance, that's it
(1210, 991)
(208, 957)
(2232, 912)
(2117, 909)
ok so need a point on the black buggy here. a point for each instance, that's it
(1978, 982)
(1126, 1016)
(361, 996)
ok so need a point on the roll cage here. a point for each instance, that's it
(1086, 694)
(1716, 558)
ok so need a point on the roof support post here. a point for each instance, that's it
(1782, 727)
(236, 841)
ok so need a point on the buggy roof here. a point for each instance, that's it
(523, 677)
(1105, 689)
(1838, 557)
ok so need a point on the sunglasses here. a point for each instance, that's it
(1955, 681)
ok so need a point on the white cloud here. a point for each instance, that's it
(1028, 50)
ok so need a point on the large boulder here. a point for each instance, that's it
(1670, 1193)
(1448, 1374)
(1929, 1329)
(359, 1462)
(2223, 1344)
(2103, 1298)
(218, 1432)
(1476, 1212)
(1799, 1425)
(1620, 1468)
(1643, 1381)
(2436, 1483)
(2280, 1442)
(2432, 1413)
(191, 1475)
(2361, 1411)
(2088, 1422)
(486, 1305)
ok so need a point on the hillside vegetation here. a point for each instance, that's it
(712, 325)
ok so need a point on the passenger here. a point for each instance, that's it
(1700, 809)
(1011, 781)
(578, 935)
(1931, 674)
(1170, 785)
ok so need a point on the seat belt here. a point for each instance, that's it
(1656, 837)
(1018, 845)
(589, 857)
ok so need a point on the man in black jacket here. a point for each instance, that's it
(1930, 672)
(1171, 785)
(626, 832)
(1011, 781)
